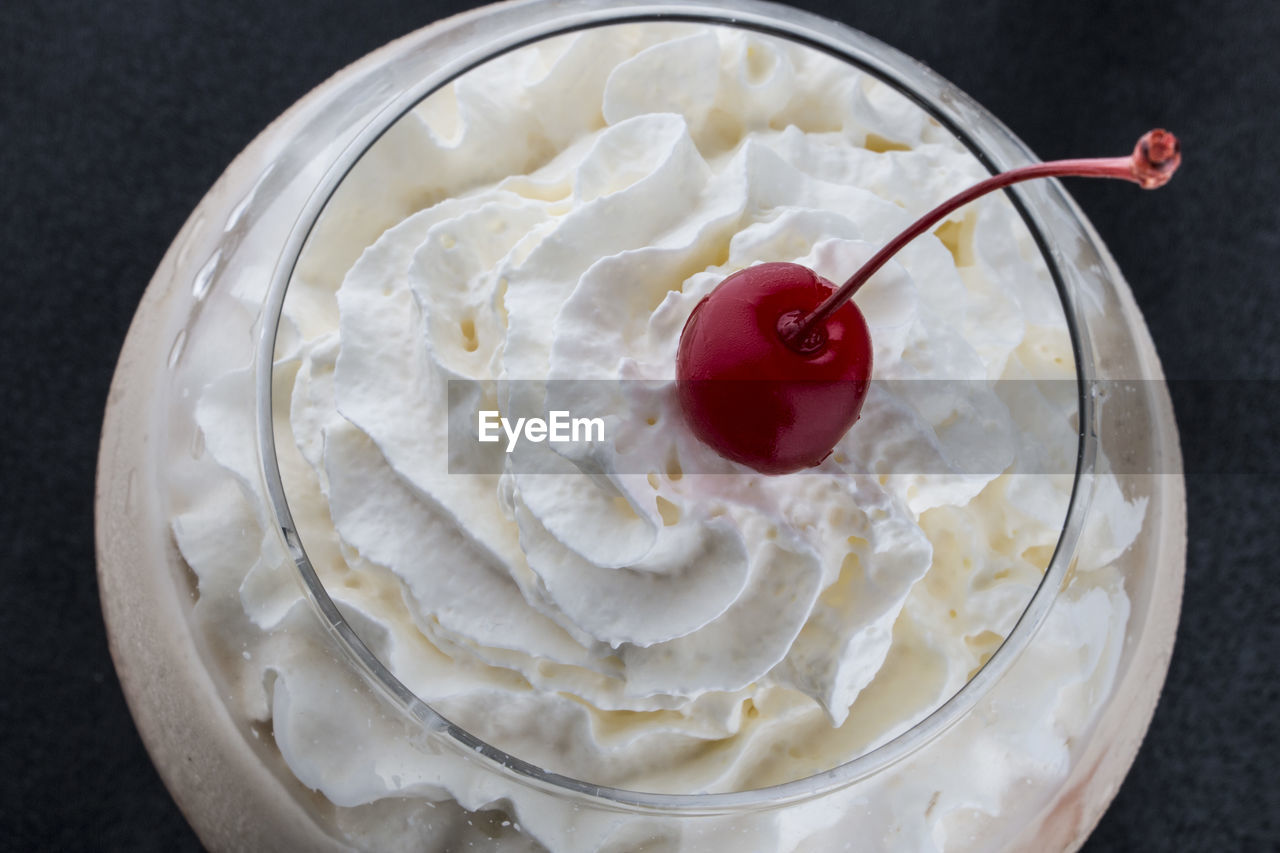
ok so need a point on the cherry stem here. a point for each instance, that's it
(1154, 160)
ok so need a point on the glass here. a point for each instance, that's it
(849, 47)
(334, 128)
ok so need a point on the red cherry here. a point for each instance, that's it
(753, 397)
(774, 364)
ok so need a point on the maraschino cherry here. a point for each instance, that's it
(774, 364)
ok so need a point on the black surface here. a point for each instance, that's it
(116, 117)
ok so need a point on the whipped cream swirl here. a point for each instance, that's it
(642, 613)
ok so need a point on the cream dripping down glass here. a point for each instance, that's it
(949, 635)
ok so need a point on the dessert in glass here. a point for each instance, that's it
(949, 634)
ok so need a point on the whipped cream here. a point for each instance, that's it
(642, 613)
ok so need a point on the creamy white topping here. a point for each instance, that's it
(642, 613)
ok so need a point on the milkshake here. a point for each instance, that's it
(640, 613)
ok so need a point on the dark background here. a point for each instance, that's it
(116, 117)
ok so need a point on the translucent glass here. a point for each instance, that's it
(266, 227)
(984, 139)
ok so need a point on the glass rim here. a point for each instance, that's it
(536, 20)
